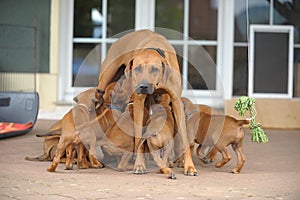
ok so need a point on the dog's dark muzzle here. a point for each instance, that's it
(144, 88)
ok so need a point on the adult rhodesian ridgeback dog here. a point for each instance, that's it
(214, 133)
(148, 59)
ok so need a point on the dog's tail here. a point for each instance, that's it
(55, 133)
(243, 122)
(43, 157)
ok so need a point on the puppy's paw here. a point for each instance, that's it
(172, 176)
(235, 171)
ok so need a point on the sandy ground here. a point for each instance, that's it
(271, 171)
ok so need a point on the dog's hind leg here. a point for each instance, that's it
(69, 157)
(160, 163)
(61, 147)
(169, 154)
(225, 158)
(95, 163)
(240, 157)
(212, 155)
(81, 157)
(124, 162)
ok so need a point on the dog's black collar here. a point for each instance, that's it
(161, 52)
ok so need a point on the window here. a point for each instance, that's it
(273, 12)
(94, 22)
(197, 53)
(189, 25)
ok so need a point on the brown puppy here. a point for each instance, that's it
(159, 135)
(149, 59)
(86, 103)
(221, 131)
(119, 139)
(214, 133)
(192, 116)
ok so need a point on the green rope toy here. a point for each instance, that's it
(243, 104)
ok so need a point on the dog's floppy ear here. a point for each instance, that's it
(166, 71)
(128, 69)
(100, 92)
(98, 98)
(98, 95)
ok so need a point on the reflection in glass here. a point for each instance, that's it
(203, 21)
(202, 70)
(86, 65)
(240, 73)
(169, 15)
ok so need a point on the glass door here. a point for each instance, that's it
(191, 26)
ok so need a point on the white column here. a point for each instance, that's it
(225, 47)
(65, 50)
(144, 14)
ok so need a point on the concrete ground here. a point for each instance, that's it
(271, 171)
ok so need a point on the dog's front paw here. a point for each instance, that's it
(139, 169)
(139, 165)
(190, 171)
(235, 171)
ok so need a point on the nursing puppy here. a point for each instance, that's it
(119, 139)
(87, 102)
(159, 135)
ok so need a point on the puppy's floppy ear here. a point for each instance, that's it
(128, 69)
(100, 92)
(166, 71)
(99, 96)
(75, 99)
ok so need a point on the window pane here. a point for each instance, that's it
(121, 16)
(179, 52)
(87, 18)
(203, 21)
(287, 12)
(169, 15)
(258, 12)
(202, 68)
(240, 74)
(86, 64)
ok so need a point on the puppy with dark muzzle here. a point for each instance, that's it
(159, 135)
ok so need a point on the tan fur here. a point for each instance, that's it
(214, 133)
(222, 130)
(69, 136)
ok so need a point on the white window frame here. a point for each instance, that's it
(271, 29)
(224, 45)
